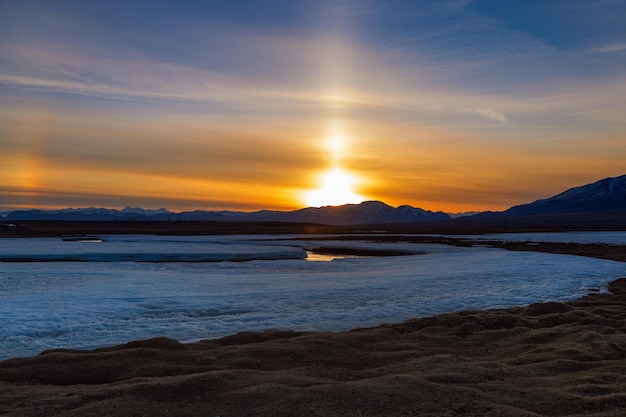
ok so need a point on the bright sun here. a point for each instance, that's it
(336, 189)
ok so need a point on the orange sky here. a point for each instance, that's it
(454, 111)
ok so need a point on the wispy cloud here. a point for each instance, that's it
(611, 48)
(488, 113)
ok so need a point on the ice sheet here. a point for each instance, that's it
(142, 249)
(45, 305)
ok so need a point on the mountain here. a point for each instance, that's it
(597, 206)
(605, 195)
(369, 212)
(463, 214)
(90, 214)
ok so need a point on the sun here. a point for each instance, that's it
(337, 188)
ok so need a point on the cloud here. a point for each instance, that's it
(272, 73)
(459, 4)
(489, 113)
(611, 48)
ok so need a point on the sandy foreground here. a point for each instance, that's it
(555, 359)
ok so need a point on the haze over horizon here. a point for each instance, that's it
(454, 105)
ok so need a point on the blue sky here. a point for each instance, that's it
(445, 105)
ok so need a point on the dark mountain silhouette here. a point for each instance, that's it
(89, 214)
(597, 206)
(369, 212)
(605, 195)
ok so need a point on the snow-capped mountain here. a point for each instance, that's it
(91, 214)
(605, 195)
(463, 214)
(369, 212)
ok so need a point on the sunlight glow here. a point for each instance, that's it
(337, 188)
(336, 140)
(336, 146)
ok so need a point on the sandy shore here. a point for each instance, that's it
(556, 359)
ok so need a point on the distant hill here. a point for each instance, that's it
(369, 212)
(89, 214)
(605, 195)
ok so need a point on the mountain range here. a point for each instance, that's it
(368, 212)
(604, 196)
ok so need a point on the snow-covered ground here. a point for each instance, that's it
(103, 301)
(143, 248)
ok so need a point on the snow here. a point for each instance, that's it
(600, 189)
(88, 304)
(140, 249)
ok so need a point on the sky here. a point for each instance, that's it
(452, 105)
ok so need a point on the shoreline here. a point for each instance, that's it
(58, 228)
(543, 359)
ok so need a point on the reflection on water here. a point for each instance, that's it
(318, 257)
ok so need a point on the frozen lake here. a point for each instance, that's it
(87, 295)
